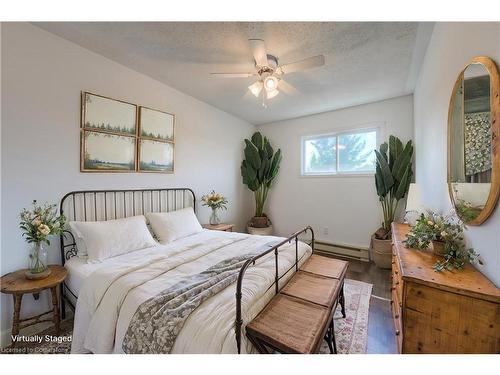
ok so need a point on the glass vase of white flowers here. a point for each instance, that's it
(37, 225)
(216, 202)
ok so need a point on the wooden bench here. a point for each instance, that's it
(301, 314)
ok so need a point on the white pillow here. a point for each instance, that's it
(170, 226)
(106, 239)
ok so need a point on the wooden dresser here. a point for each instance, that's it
(441, 312)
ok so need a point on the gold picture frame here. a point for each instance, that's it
(108, 129)
(111, 128)
(156, 141)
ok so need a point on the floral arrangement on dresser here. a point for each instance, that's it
(37, 224)
(216, 202)
(446, 237)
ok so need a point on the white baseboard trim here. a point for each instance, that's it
(342, 250)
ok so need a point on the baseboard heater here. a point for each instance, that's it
(347, 251)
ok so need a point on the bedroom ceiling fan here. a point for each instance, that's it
(270, 73)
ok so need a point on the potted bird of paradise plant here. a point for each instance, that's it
(393, 175)
(259, 169)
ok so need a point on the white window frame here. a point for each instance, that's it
(348, 131)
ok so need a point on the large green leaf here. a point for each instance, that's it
(395, 149)
(401, 163)
(268, 148)
(257, 140)
(275, 163)
(404, 184)
(252, 154)
(383, 150)
(250, 173)
(385, 172)
(379, 184)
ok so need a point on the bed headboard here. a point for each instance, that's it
(96, 205)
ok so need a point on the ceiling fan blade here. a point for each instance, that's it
(287, 88)
(258, 48)
(311, 62)
(232, 75)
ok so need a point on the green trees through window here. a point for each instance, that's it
(350, 152)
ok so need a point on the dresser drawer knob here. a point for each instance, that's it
(396, 316)
(397, 332)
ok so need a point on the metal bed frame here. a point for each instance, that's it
(239, 283)
(94, 205)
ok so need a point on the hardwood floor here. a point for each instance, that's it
(381, 333)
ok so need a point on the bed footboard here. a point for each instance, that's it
(277, 277)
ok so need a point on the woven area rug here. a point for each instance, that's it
(350, 333)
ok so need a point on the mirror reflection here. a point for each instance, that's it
(470, 163)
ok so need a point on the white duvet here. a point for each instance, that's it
(110, 295)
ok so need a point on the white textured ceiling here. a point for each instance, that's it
(365, 62)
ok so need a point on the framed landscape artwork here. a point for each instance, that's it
(117, 136)
(156, 141)
(156, 156)
(108, 152)
(110, 115)
(156, 124)
(108, 134)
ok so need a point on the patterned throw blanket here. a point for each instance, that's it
(157, 322)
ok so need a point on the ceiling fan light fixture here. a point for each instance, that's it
(256, 87)
(271, 94)
(271, 83)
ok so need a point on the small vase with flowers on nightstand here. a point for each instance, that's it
(37, 225)
(216, 202)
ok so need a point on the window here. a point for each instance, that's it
(348, 152)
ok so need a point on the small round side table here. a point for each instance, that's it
(17, 284)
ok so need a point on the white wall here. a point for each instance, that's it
(42, 76)
(348, 206)
(451, 47)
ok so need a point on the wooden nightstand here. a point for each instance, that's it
(17, 284)
(221, 227)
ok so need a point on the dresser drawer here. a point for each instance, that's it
(397, 282)
(444, 322)
(398, 322)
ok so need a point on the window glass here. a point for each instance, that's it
(342, 153)
(356, 151)
(320, 155)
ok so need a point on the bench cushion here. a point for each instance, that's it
(325, 266)
(313, 288)
(290, 324)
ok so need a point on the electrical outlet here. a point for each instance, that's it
(325, 231)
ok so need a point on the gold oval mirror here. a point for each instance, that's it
(473, 143)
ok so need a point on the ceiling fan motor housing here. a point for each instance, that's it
(272, 64)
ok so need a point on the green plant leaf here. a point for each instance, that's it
(269, 148)
(395, 149)
(379, 184)
(404, 184)
(383, 150)
(402, 162)
(252, 154)
(257, 140)
(385, 175)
